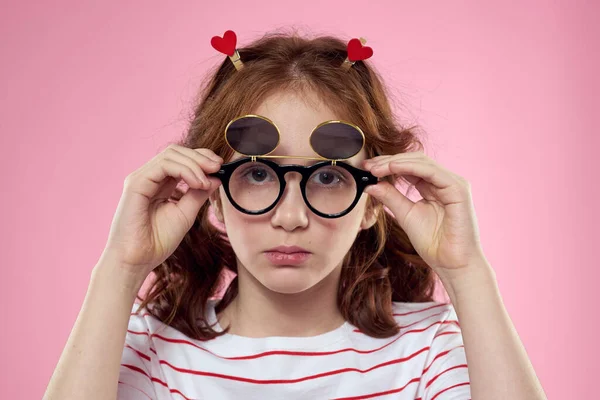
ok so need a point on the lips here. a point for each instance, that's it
(288, 249)
(287, 255)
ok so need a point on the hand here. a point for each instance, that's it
(147, 228)
(442, 226)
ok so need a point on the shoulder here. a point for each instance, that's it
(429, 308)
(422, 322)
(143, 323)
(426, 316)
(434, 331)
(138, 326)
(138, 315)
(144, 330)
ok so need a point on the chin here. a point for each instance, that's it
(286, 279)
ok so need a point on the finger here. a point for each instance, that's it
(153, 176)
(391, 197)
(401, 156)
(200, 161)
(388, 157)
(208, 153)
(190, 152)
(166, 189)
(425, 170)
(413, 180)
(191, 202)
(197, 162)
(376, 159)
(379, 158)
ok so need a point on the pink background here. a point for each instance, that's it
(91, 91)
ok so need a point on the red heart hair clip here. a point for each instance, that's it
(357, 51)
(226, 45)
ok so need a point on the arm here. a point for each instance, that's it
(497, 362)
(89, 365)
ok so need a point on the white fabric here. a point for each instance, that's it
(425, 361)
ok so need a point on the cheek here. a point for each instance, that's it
(243, 230)
(353, 220)
(338, 234)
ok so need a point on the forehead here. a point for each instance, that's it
(296, 114)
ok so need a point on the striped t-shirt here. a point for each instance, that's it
(425, 360)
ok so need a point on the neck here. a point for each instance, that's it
(260, 312)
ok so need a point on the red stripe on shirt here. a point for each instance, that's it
(427, 317)
(424, 309)
(292, 353)
(138, 389)
(443, 372)
(280, 381)
(285, 352)
(368, 396)
(448, 321)
(147, 314)
(139, 352)
(153, 379)
(448, 388)
(443, 353)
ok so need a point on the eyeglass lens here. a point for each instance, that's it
(255, 186)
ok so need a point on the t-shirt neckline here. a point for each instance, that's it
(289, 342)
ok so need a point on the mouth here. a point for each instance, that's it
(287, 255)
(288, 249)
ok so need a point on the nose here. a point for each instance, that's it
(291, 211)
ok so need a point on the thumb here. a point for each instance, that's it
(392, 198)
(191, 202)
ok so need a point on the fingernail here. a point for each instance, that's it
(371, 189)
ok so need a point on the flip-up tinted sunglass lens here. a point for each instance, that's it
(252, 136)
(336, 140)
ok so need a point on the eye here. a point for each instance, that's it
(328, 177)
(258, 175)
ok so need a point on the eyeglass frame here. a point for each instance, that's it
(361, 177)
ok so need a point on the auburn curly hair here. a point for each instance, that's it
(382, 265)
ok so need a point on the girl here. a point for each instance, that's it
(290, 158)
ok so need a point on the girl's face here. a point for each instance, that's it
(291, 222)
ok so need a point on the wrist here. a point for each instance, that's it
(477, 277)
(118, 275)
